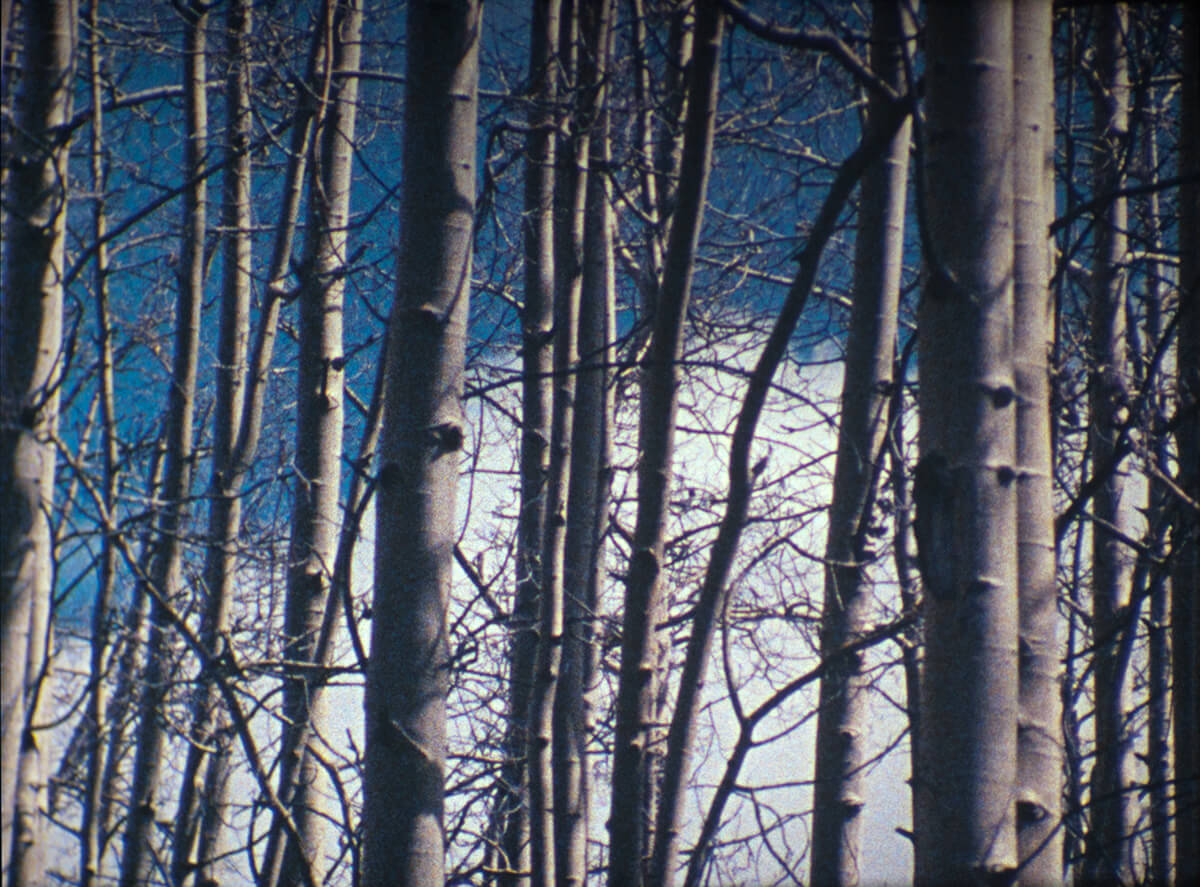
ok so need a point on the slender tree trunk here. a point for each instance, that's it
(964, 489)
(637, 684)
(30, 369)
(200, 816)
(407, 677)
(1185, 605)
(537, 323)
(95, 718)
(1039, 726)
(132, 644)
(906, 580)
(839, 790)
(1110, 845)
(569, 178)
(316, 518)
(587, 501)
(137, 862)
(1158, 497)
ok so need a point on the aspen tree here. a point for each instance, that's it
(659, 382)
(839, 790)
(320, 401)
(1039, 733)
(91, 827)
(1109, 853)
(587, 501)
(31, 368)
(537, 337)
(964, 489)
(137, 859)
(203, 794)
(422, 437)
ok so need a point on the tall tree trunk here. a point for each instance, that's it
(964, 488)
(587, 500)
(407, 678)
(200, 816)
(1185, 601)
(316, 518)
(1039, 727)
(569, 178)
(839, 790)
(638, 680)
(137, 862)
(1110, 845)
(1158, 497)
(537, 324)
(35, 198)
(95, 717)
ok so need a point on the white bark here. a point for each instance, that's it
(965, 487)
(35, 198)
(1039, 736)
(423, 434)
(840, 783)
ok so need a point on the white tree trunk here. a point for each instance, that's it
(35, 200)
(638, 681)
(1039, 732)
(137, 861)
(839, 790)
(965, 488)
(423, 434)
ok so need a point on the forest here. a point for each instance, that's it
(541, 443)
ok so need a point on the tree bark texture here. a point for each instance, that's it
(1039, 728)
(31, 366)
(637, 684)
(137, 861)
(407, 676)
(965, 488)
(1109, 854)
(839, 789)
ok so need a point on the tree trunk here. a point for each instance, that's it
(407, 678)
(1185, 605)
(839, 790)
(964, 488)
(30, 371)
(137, 862)
(637, 684)
(1110, 846)
(91, 828)
(319, 396)
(200, 816)
(569, 179)
(587, 500)
(1039, 727)
(537, 323)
